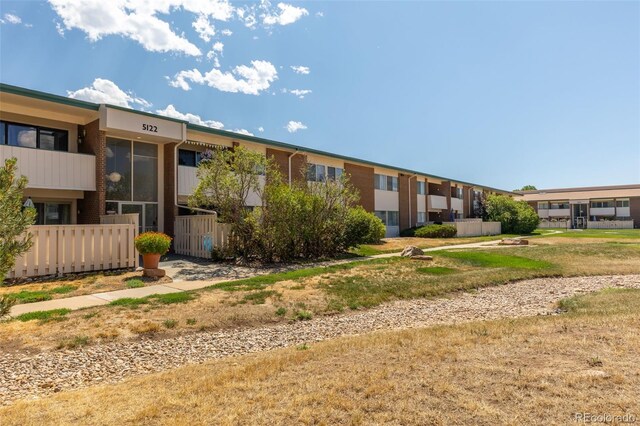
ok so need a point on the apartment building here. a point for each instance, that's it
(587, 207)
(84, 160)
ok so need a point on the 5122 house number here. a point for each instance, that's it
(150, 128)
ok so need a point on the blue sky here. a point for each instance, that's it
(500, 93)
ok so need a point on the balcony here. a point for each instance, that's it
(187, 180)
(559, 213)
(53, 169)
(602, 211)
(543, 213)
(438, 202)
(456, 204)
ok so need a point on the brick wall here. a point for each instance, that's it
(298, 164)
(93, 205)
(634, 211)
(361, 177)
(170, 210)
(467, 202)
(446, 187)
(407, 188)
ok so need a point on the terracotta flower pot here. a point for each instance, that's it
(150, 260)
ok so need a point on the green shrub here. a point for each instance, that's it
(409, 232)
(134, 283)
(363, 227)
(170, 323)
(516, 217)
(436, 231)
(281, 311)
(5, 305)
(153, 243)
(304, 315)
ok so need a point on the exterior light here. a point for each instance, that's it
(114, 177)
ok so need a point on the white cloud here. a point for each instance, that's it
(12, 19)
(204, 27)
(103, 91)
(226, 32)
(320, 14)
(218, 46)
(294, 126)
(171, 111)
(287, 14)
(261, 129)
(299, 69)
(242, 132)
(250, 80)
(301, 93)
(138, 20)
(216, 50)
(59, 29)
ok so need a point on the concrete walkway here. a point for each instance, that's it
(181, 284)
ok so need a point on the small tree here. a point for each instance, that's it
(14, 218)
(528, 188)
(516, 217)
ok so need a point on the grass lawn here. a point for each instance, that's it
(594, 233)
(304, 293)
(75, 286)
(495, 372)
(394, 245)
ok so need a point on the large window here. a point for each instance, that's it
(389, 218)
(421, 188)
(422, 218)
(622, 203)
(28, 136)
(319, 172)
(457, 193)
(145, 172)
(558, 206)
(543, 206)
(53, 214)
(601, 204)
(119, 174)
(386, 183)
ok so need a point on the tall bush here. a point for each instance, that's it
(363, 227)
(516, 217)
(14, 218)
(436, 231)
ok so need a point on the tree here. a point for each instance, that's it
(528, 188)
(14, 218)
(516, 217)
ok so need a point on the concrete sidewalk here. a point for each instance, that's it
(98, 299)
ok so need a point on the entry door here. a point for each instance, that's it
(579, 215)
(134, 208)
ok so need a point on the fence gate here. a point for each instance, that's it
(197, 235)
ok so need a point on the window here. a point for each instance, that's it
(118, 167)
(316, 173)
(131, 177)
(145, 171)
(601, 204)
(558, 206)
(34, 137)
(421, 190)
(386, 183)
(422, 218)
(389, 218)
(543, 206)
(622, 203)
(458, 193)
(53, 214)
(334, 173)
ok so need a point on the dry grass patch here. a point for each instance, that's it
(497, 372)
(76, 286)
(392, 245)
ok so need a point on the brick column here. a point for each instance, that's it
(298, 164)
(446, 187)
(361, 177)
(407, 190)
(95, 142)
(466, 202)
(170, 210)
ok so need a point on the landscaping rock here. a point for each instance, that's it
(154, 273)
(514, 242)
(410, 251)
(48, 372)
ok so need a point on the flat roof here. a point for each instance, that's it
(225, 133)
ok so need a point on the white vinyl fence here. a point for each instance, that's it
(59, 249)
(198, 235)
(549, 224)
(476, 228)
(610, 224)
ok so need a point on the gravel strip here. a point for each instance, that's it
(49, 372)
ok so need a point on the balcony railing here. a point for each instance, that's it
(53, 169)
(457, 204)
(438, 202)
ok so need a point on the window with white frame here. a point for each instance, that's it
(386, 183)
(316, 173)
(389, 218)
(421, 188)
(601, 204)
(458, 193)
(622, 203)
(543, 206)
(422, 218)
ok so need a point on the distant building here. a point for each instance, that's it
(589, 207)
